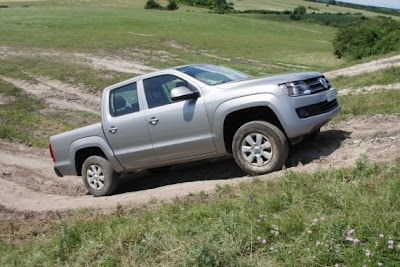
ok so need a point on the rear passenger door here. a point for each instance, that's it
(178, 129)
(125, 128)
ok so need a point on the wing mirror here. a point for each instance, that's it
(183, 93)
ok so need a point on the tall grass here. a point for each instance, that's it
(319, 219)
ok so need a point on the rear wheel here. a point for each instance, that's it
(99, 177)
(260, 147)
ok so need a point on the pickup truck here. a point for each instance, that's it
(194, 112)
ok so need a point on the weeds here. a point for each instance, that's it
(347, 216)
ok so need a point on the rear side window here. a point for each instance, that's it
(124, 100)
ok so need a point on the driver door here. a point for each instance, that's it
(177, 129)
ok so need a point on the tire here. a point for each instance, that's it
(269, 147)
(99, 177)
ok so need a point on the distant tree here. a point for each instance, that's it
(367, 37)
(332, 2)
(172, 5)
(152, 4)
(300, 10)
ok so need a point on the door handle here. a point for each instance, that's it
(112, 129)
(153, 121)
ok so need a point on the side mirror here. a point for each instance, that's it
(183, 93)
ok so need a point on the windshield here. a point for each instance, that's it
(212, 75)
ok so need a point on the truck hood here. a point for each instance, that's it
(273, 80)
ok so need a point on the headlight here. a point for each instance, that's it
(295, 88)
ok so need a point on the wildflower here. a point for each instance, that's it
(336, 265)
(258, 220)
(351, 232)
(380, 263)
(390, 247)
(315, 220)
(251, 199)
(322, 219)
(318, 243)
(258, 238)
(275, 216)
(356, 241)
(349, 238)
(390, 242)
(272, 231)
(271, 248)
(264, 241)
(274, 227)
(309, 232)
(367, 252)
(143, 240)
(276, 233)
(381, 236)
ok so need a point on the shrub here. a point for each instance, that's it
(367, 37)
(301, 10)
(152, 4)
(172, 5)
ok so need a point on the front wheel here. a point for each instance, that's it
(259, 147)
(99, 177)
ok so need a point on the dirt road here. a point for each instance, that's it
(29, 183)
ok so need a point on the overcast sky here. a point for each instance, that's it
(380, 3)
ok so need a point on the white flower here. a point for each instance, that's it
(322, 219)
(381, 235)
(351, 232)
(380, 263)
(356, 240)
(275, 215)
(318, 243)
(264, 241)
(390, 242)
(390, 247)
(309, 232)
(258, 238)
(367, 252)
(349, 238)
(315, 220)
(276, 233)
(271, 248)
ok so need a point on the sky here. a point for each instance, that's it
(381, 3)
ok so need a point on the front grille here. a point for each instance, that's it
(316, 86)
(316, 109)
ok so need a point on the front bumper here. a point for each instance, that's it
(319, 112)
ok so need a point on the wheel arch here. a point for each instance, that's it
(83, 148)
(236, 112)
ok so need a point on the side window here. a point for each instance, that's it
(124, 100)
(158, 89)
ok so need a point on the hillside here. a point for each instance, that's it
(334, 204)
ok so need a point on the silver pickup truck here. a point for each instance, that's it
(190, 113)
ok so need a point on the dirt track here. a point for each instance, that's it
(29, 183)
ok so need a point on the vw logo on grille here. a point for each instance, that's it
(324, 82)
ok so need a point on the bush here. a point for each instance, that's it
(152, 4)
(301, 10)
(172, 5)
(367, 37)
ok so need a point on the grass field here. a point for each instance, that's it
(319, 219)
(292, 4)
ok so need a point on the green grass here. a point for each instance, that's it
(369, 104)
(93, 80)
(108, 29)
(221, 229)
(383, 77)
(25, 119)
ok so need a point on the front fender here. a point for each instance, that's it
(95, 141)
(227, 107)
